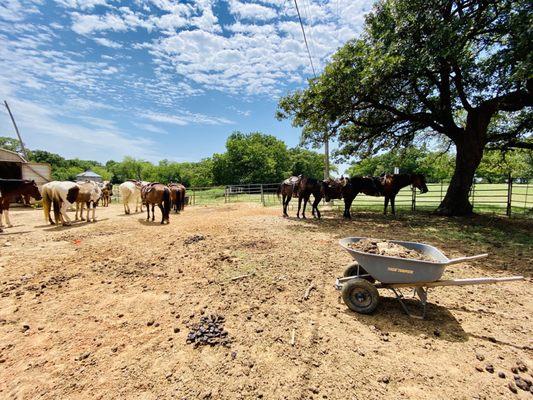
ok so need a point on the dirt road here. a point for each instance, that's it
(101, 311)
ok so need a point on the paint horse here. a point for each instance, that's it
(89, 194)
(130, 191)
(177, 196)
(156, 193)
(60, 195)
(11, 189)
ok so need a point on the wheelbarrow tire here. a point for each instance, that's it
(360, 296)
(351, 270)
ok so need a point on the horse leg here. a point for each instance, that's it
(153, 212)
(8, 221)
(347, 206)
(94, 212)
(299, 206)
(386, 205)
(306, 199)
(315, 207)
(392, 205)
(148, 211)
(63, 212)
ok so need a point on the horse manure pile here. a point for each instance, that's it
(209, 331)
(384, 248)
(194, 239)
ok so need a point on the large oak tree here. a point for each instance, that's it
(459, 69)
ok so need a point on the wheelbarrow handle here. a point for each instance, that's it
(463, 259)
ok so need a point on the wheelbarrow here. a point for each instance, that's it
(370, 272)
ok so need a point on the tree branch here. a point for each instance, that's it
(458, 81)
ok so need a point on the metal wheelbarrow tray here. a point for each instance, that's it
(371, 272)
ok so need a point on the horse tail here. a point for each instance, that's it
(278, 192)
(57, 208)
(47, 203)
(166, 202)
(182, 200)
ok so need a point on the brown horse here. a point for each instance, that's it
(11, 189)
(287, 189)
(156, 193)
(351, 187)
(107, 191)
(390, 185)
(306, 188)
(177, 196)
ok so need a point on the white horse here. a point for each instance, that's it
(62, 195)
(90, 193)
(130, 191)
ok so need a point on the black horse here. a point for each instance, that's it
(355, 185)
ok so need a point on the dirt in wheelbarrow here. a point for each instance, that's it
(386, 248)
(105, 310)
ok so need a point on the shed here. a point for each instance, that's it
(88, 175)
(14, 166)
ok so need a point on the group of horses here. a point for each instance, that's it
(165, 197)
(386, 185)
(59, 196)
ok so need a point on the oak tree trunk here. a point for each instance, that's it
(469, 152)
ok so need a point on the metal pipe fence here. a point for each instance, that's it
(512, 198)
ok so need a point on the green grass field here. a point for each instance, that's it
(486, 197)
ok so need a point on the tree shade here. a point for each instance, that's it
(459, 70)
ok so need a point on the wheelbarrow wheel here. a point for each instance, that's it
(360, 296)
(351, 270)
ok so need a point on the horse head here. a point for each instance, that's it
(419, 182)
(332, 188)
(33, 190)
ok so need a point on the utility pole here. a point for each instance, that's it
(17, 130)
(326, 157)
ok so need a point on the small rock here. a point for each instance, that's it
(150, 323)
(521, 366)
(156, 324)
(114, 349)
(120, 315)
(436, 332)
(233, 355)
(522, 384)
(479, 369)
(314, 390)
(176, 330)
(480, 357)
(514, 370)
(501, 375)
(385, 379)
(489, 368)
(7, 244)
(512, 387)
(83, 356)
(25, 328)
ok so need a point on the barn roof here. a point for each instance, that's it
(8, 155)
(88, 174)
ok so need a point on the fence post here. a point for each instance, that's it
(509, 194)
(262, 196)
(413, 199)
(473, 191)
(193, 197)
(225, 194)
(525, 197)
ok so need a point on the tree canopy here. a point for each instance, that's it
(455, 69)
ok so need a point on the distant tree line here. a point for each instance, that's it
(437, 166)
(249, 158)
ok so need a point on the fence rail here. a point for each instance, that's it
(510, 198)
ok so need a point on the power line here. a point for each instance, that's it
(305, 37)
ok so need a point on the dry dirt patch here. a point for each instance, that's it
(103, 310)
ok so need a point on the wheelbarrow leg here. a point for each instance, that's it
(422, 294)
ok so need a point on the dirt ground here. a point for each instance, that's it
(101, 310)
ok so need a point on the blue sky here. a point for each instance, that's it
(102, 79)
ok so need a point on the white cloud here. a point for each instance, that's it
(251, 11)
(186, 118)
(107, 43)
(150, 128)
